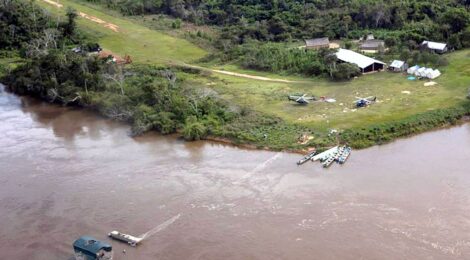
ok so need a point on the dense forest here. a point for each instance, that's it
(279, 20)
(253, 33)
(148, 97)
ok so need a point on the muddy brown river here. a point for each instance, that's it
(66, 173)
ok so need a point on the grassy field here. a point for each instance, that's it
(141, 43)
(398, 98)
(393, 104)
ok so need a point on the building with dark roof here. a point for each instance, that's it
(372, 46)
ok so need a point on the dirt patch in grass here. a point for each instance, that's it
(110, 26)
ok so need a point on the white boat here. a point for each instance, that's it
(325, 154)
(131, 240)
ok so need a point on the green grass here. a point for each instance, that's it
(393, 105)
(270, 98)
(141, 43)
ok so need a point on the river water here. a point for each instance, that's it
(66, 173)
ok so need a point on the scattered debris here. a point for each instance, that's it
(406, 92)
(304, 139)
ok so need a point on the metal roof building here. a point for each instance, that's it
(366, 64)
(372, 45)
(437, 47)
(317, 43)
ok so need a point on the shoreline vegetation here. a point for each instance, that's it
(198, 103)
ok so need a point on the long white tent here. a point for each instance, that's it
(423, 72)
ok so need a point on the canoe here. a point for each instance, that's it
(307, 157)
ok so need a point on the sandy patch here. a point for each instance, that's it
(431, 83)
(110, 26)
(334, 45)
(252, 77)
(53, 3)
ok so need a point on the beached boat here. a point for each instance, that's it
(340, 152)
(325, 155)
(342, 159)
(88, 248)
(307, 157)
(327, 163)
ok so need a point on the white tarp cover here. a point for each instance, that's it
(420, 72)
(428, 72)
(434, 74)
(413, 69)
(356, 58)
(397, 64)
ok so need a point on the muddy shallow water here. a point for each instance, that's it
(65, 173)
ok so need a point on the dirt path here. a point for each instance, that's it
(110, 26)
(115, 28)
(235, 74)
(253, 77)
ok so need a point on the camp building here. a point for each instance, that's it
(398, 66)
(372, 46)
(436, 47)
(317, 43)
(366, 64)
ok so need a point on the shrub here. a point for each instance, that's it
(193, 129)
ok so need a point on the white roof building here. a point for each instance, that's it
(437, 46)
(397, 64)
(365, 63)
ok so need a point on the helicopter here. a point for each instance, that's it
(304, 99)
(364, 102)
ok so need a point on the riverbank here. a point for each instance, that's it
(59, 163)
(250, 108)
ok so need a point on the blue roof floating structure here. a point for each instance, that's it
(88, 248)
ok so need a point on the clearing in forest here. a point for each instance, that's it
(125, 37)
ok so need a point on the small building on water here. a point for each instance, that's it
(88, 248)
(366, 64)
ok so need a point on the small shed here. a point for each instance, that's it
(366, 64)
(437, 47)
(398, 66)
(317, 43)
(372, 46)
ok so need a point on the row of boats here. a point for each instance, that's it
(339, 154)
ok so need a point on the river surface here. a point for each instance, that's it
(66, 172)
